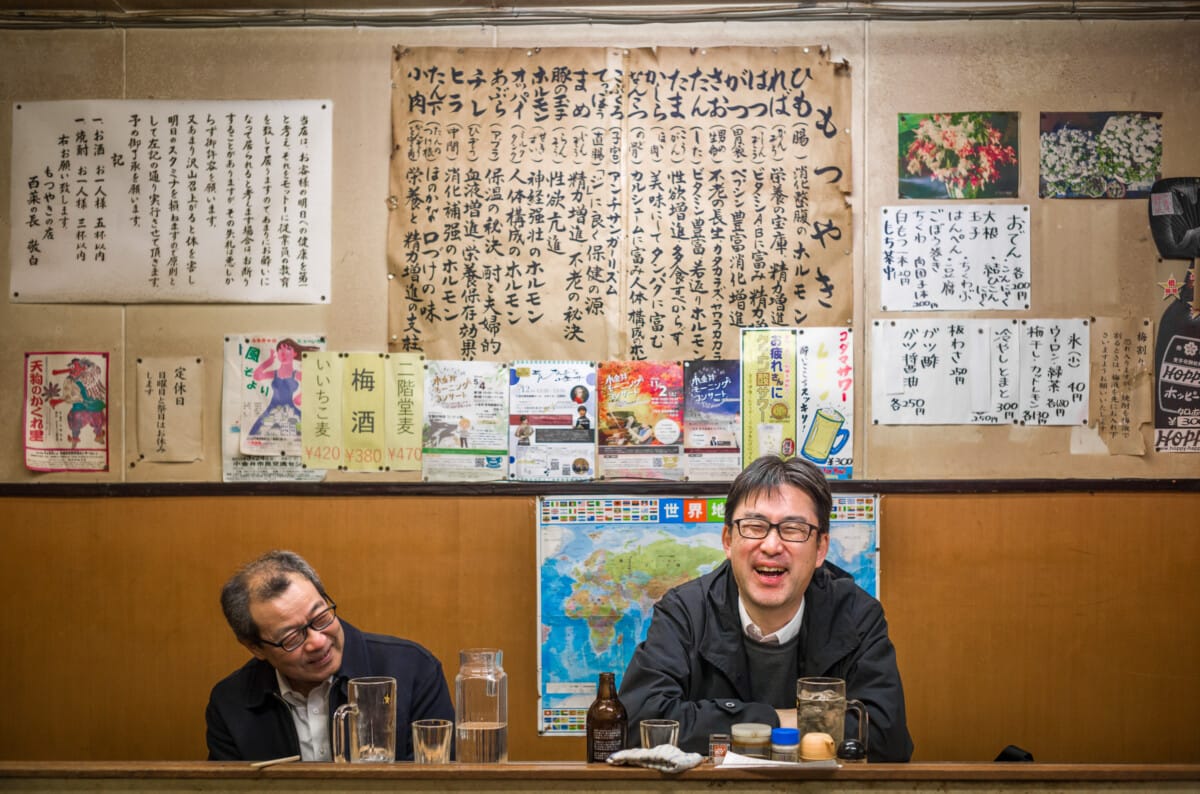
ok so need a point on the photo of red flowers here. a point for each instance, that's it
(958, 155)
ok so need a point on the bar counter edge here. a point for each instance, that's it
(561, 771)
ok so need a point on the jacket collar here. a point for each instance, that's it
(262, 686)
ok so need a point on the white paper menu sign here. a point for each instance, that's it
(954, 257)
(161, 201)
(970, 371)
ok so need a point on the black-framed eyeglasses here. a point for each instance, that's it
(790, 531)
(295, 638)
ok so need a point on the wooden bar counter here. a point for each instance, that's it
(170, 776)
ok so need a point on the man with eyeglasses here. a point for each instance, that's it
(728, 647)
(280, 703)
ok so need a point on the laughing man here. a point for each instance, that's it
(728, 647)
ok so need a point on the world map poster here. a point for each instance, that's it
(605, 561)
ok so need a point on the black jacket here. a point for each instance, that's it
(249, 721)
(692, 666)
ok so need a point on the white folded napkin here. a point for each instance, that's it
(664, 758)
(735, 760)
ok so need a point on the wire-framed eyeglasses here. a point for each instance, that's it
(758, 528)
(295, 638)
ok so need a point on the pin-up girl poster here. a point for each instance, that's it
(271, 403)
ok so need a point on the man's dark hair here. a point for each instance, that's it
(767, 474)
(262, 580)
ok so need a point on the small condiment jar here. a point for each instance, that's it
(785, 745)
(752, 739)
(718, 745)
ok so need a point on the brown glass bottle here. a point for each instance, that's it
(606, 722)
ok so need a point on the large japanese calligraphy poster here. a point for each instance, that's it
(738, 170)
(506, 196)
(639, 204)
(157, 201)
(465, 434)
(66, 411)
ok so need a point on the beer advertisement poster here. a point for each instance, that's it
(825, 399)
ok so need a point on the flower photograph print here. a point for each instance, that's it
(1099, 155)
(958, 155)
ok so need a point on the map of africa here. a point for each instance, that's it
(605, 562)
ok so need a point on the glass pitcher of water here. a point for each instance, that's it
(481, 707)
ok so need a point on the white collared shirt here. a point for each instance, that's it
(785, 634)
(310, 714)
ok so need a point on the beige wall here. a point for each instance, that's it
(1019, 619)
(1090, 258)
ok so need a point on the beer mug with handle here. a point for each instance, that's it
(371, 718)
(826, 436)
(821, 708)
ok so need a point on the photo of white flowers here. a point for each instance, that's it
(967, 155)
(1099, 155)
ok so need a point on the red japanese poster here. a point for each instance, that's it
(66, 411)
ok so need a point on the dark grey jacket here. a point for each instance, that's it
(248, 720)
(693, 667)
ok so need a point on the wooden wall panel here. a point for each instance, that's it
(1065, 623)
(1068, 624)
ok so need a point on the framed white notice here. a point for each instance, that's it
(160, 201)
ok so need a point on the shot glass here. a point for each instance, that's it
(431, 741)
(656, 732)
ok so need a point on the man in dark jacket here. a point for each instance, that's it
(280, 702)
(728, 647)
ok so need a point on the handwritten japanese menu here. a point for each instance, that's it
(955, 257)
(939, 372)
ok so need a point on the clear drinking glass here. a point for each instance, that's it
(371, 717)
(656, 732)
(431, 741)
